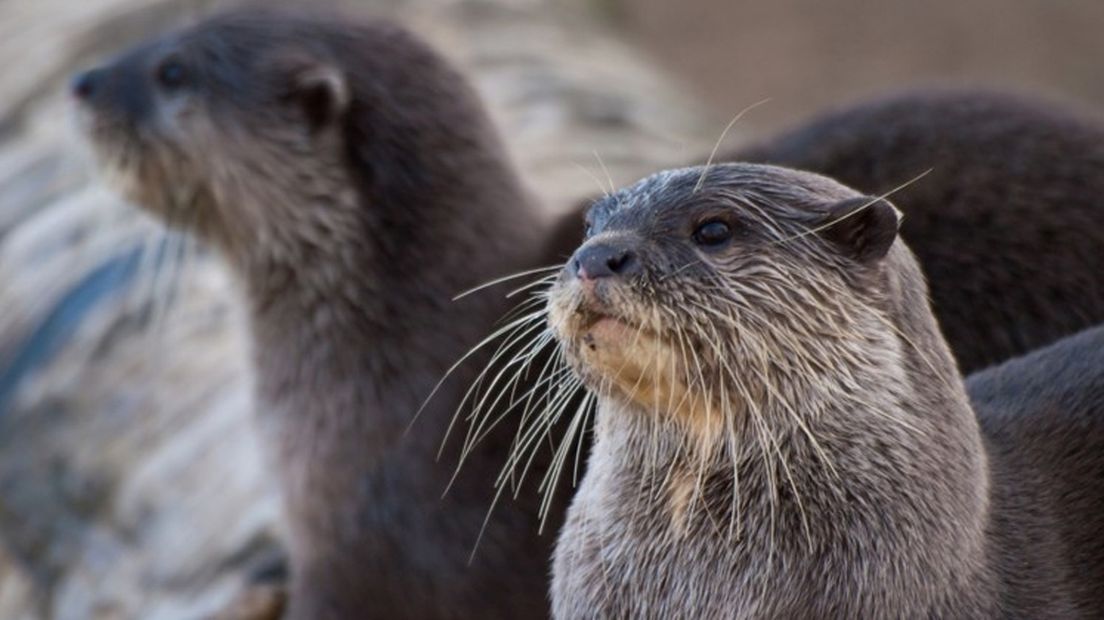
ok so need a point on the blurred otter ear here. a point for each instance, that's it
(321, 93)
(863, 227)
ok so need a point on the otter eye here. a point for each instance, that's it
(171, 74)
(712, 233)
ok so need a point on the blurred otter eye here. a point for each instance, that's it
(171, 74)
(712, 233)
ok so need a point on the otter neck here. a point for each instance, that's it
(887, 447)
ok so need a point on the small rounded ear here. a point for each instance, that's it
(863, 228)
(320, 91)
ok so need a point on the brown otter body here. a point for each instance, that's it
(782, 431)
(1006, 224)
(354, 184)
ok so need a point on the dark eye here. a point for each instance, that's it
(712, 233)
(171, 74)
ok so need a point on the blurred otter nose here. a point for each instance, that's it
(83, 85)
(604, 260)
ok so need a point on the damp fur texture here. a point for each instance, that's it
(782, 431)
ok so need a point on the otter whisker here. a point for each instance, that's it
(507, 330)
(165, 295)
(507, 278)
(717, 145)
(548, 485)
(858, 209)
(540, 297)
(735, 522)
(500, 488)
(495, 335)
(538, 388)
(515, 401)
(519, 362)
(613, 186)
(601, 188)
(553, 373)
(542, 428)
(530, 428)
(588, 409)
(679, 270)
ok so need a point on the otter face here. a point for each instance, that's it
(212, 126)
(691, 297)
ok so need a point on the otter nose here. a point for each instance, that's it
(83, 85)
(604, 260)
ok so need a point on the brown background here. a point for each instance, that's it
(805, 54)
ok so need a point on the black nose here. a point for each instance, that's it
(604, 260)
(83, 85)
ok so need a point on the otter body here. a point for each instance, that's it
(355, 185)
(782, 431)
(1006, 223)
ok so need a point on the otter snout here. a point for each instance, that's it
(84, 85)
(116, 90)
(605, 259)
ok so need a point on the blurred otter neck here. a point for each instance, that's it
(351, 295)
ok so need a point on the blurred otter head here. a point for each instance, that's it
(699, 293)
(278, 129)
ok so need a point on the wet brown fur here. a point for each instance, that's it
(354, 184)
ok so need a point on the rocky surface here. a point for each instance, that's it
(131, 484)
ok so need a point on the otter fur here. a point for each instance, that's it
(782, 430)
(354, 184)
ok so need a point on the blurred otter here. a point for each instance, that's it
(1007, 224)
(782, 431)
(354, 184)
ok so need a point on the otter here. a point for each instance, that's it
(1005, 225)
(354, 184)
(782, 430)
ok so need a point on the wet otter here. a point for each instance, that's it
(1006, 224)
(354, 184)
(782, 431)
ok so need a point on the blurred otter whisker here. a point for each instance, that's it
(174, 251)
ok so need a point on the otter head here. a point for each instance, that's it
(275, 129)
(708, 295)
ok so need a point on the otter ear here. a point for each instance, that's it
(863, 228)
(321, 93)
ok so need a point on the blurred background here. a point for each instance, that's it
(805, 55)
(130, 482)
